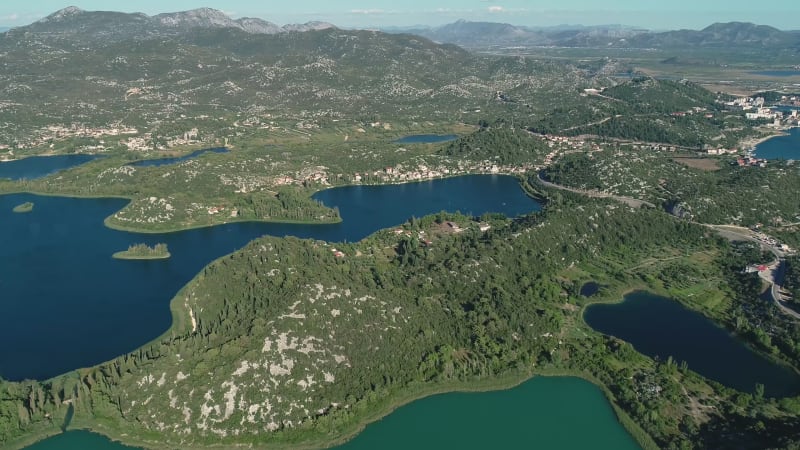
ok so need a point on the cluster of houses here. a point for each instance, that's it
(421, 172)
(145, 143)
(764, 113)
(743, 161)
(746, 103)
(51, 133)
(768, 240)
(722, 151)
(756, 109)
(692, 111)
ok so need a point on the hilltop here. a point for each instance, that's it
(647, 110)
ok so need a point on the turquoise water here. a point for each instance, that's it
(542, 413)
(426, 139)
(78, 440)
(781, 147)
(660, 327)
(67, 304)
(168, 161)
(39, 166)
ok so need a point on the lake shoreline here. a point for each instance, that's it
(181, 324)
(392, 404)
(752, 142)
(396, 398)
(123, 257)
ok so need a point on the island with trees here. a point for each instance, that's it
(143, 251)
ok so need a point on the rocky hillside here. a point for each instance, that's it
(76, 23)
(108, 70)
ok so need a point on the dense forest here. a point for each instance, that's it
(503, 144)
(792, 280)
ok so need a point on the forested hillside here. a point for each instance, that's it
(646, 110)
(501, 144)
(731, 195)
(289, 340)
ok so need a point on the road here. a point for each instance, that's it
(732, 232)
(633, 202)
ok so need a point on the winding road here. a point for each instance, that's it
(732, 232)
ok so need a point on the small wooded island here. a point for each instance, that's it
(23, 208)
(143, 251)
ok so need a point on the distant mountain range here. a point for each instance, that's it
(78, 24)
(490, 34)
(101, 68)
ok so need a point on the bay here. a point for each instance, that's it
(39, 166)
(781, 147)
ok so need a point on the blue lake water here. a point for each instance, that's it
(781, 147)
(777, 73)
(67, 304)
(168, 161)
(660, 327)
(426, 139)
(40, 166)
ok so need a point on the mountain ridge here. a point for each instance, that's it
(487, 34)
(120, 26)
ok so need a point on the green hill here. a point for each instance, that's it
(648, 110)
(500, 144)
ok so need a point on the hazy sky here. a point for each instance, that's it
(653, 14)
